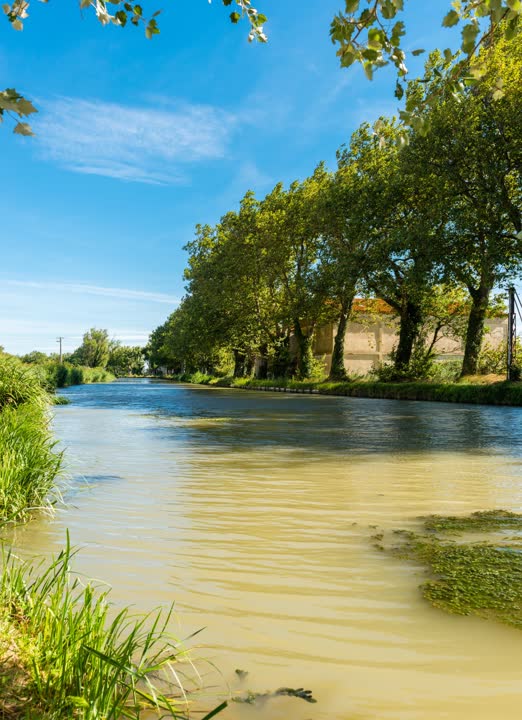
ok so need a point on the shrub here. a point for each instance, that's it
(493, 359)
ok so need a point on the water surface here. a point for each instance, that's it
(254, 513)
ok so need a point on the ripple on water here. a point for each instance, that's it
(255, 512)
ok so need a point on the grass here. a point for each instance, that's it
(60, 400)
(29, 463)
(19, 384)
(63, 375)
(464, 391)
(481, 578)
(62, 656)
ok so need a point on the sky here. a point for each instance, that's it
(137, 141)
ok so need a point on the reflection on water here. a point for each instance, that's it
(253, 511)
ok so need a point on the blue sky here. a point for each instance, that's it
(137, 141)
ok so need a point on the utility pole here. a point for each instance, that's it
(59, 340)
(512, 332)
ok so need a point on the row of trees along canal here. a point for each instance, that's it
(419, 224)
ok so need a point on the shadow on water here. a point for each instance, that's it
(229, 420)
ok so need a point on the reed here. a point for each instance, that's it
(75, 660)
(29, 462)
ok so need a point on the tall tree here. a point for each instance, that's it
(404, 226)
(475, 147)
(290, 227)
(95, 349)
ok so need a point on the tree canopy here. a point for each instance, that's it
(431, 227)
(368, 32)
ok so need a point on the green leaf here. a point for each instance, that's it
(23, 128)
(418, 52)
(368, 70)
(216, 710)
(451, 19)
(351, 6)
(235, 17)
(469, 37)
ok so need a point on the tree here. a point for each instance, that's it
(290, 229)
(475, 147)
(34, 357)
(403, 225)
(126, 360)
(95, 349)
(368, 32)
(344, 253)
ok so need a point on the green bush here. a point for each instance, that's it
(76, 376)
(493, 359)
(445, 371)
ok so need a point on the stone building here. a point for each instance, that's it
(371, 337)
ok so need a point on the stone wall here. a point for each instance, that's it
(369, 342)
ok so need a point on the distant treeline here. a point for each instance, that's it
(431, 225)
(98, 359)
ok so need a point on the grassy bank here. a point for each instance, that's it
(62, 656)
(64, 652)
(478, 393)
(29, 462)
(60, 375)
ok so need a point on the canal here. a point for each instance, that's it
(255, 512)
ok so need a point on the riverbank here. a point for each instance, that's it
(476, 393)
(29, 462)
(63, 651)
(60, 375)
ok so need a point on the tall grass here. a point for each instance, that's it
(60, 375)
(76, 661)
(20, 383)
(29, 463)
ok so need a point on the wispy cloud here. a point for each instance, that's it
(123, 293)
(140, 144)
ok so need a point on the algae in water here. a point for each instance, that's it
(481, 578)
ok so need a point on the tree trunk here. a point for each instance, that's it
(239, 364)
(262, 366)
(280, 367)
(304, 351)
(411, 318)
(337, 370)
(475, 330)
